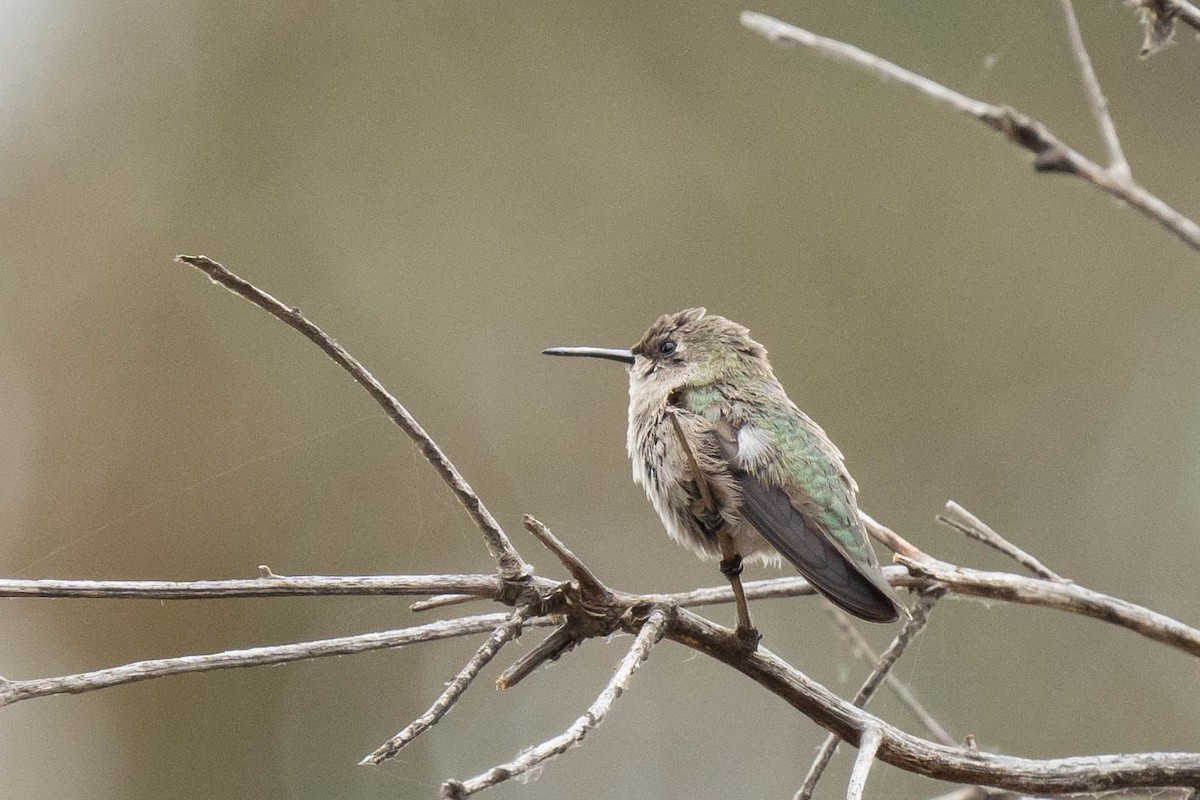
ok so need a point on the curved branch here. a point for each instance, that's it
(913, 754)
(1053, 155)
(512, 566)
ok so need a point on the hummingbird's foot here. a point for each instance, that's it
(748, 637)
(731, 567)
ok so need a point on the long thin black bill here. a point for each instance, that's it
(612, 354)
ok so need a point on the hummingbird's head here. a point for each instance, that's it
(683, 348)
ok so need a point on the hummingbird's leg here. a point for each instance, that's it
(710, 519)
(731, 568)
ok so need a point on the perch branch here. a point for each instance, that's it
(967, 523)
(1117, 165)
(505, 632)
(650, 634)
(883, 668)
(512, 566)
(12, 691)
(1052, 154)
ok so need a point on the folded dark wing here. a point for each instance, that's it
(802, 540)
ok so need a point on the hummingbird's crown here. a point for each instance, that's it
(695, 326)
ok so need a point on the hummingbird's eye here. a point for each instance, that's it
(667, 347)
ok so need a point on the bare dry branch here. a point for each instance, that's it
(965, 522)
(549, 649)
(918, 573)
(868, 746)
(913, 754)
(505, 632)
(1063, 596)
(889, 538)
(12, 691)
(883, 667)
(512, 566)
(489, 586)
(441, 601)
(589, 584)
(1117, 164)
(649, 635)
(1052, 154)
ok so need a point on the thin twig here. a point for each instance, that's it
(964, 521)
(920, 618)
(889, 538)
(549, 649)
(920, 756)
(13, 691)
(1052, 154)
(441, 601)
(505, 632)
(589, 584)
(1096, 100)
(862, 649)
(512, 566)
(649, 635)
(868, 746)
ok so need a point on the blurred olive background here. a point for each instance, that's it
(450, 187)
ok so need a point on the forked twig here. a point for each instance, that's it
(964, 521)
(512, 566)
(1052, 154)
(505, 632)
(1096, 100)
(650, 634)
(917, 623)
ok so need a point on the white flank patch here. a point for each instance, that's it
(752, 444)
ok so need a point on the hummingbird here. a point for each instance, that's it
(736, 470)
